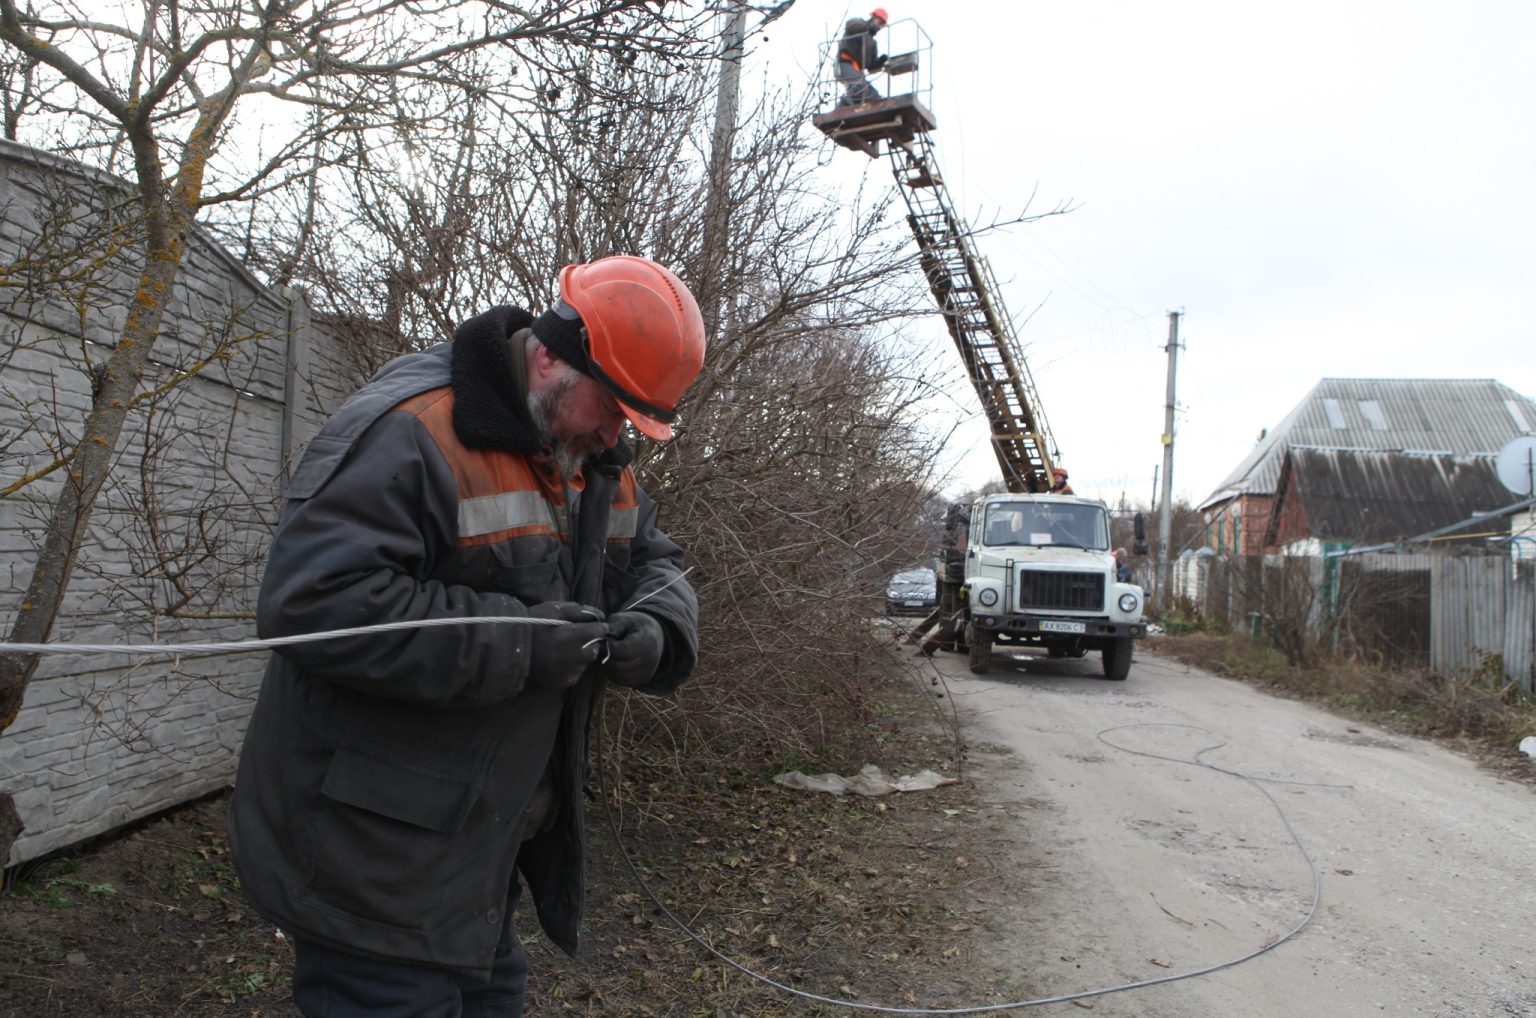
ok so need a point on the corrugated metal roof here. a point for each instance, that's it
(1452, 416)
(1371, 497)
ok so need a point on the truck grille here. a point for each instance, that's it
(1061, 591)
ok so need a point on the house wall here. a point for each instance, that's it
(1522, 532)
(185, 515)
(1291, 525)
(1236, 526)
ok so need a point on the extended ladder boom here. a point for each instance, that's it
(961, 281)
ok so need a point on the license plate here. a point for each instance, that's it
(1050, 626)
(914, 604)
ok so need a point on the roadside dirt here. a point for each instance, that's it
(1084, 850)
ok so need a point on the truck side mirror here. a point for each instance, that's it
(1140, 547)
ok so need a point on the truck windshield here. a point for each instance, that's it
(1038, 523)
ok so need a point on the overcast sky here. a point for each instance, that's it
(1324, 189)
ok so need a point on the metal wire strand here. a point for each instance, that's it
(242, 646)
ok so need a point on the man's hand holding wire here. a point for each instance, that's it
(636, 642)
(559, 654)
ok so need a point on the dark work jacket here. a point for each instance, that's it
(380, 799)
(858, 44)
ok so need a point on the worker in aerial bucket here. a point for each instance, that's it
(1059, 485)
(857, 54)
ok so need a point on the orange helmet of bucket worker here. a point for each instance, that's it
(879, 12)
(644, 335)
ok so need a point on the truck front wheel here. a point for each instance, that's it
(1117, 658)
(981, 650)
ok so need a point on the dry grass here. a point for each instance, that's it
(1477, 711)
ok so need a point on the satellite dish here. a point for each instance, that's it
(1516, 465)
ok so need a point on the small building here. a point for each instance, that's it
(1341, 498)
(1429, 418)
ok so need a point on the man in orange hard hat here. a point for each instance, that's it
(1059, 485)
(858, 54)
(394, 785)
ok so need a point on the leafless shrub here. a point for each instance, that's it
(798, 479)
(193, 104)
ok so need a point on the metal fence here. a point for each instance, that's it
(1445, 613)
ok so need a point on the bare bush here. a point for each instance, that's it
(195, 106)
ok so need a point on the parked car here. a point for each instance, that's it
(911, 592)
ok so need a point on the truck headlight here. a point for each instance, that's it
(987, 596)
(1128, 603)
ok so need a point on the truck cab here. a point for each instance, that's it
(1038, 572)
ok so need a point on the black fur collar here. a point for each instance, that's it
(490, 392)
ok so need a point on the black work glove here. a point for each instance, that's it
(635, 643)
(559, 654)
(878, 64)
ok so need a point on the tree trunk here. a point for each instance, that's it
(88, 471)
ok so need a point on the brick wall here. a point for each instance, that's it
(1236, 526)
(185, 516)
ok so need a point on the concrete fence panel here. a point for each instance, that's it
(241, 377)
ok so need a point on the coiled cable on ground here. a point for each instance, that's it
(1317, 892)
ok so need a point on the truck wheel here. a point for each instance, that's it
(981, 651)
(1117, 658)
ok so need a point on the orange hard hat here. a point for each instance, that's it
(1059, 472)
(644, 332)
(879, 12)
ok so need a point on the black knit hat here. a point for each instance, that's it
(561, 332)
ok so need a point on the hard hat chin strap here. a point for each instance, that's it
(561, 331)
(628, 398)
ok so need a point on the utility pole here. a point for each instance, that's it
(1165, 511)
(717, 207)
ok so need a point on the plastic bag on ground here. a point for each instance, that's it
(869, 781)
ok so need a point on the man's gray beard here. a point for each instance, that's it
(542, 407)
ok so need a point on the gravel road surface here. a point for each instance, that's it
(1146, 865)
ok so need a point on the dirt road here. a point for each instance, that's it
(1149, 865)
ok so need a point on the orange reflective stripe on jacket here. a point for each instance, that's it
(505, 495)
